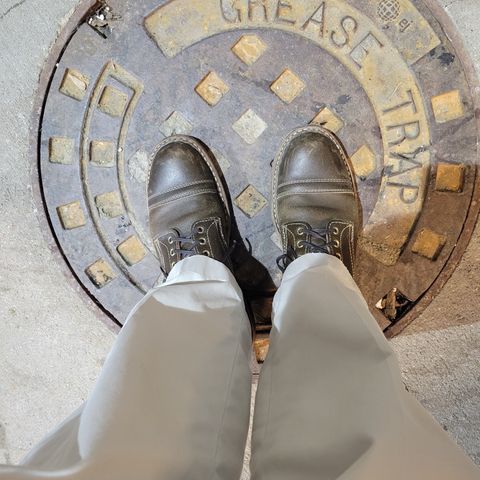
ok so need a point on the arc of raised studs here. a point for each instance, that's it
(120, 74)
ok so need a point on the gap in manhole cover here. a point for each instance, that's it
(383, 75)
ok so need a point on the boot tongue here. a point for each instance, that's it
(318, 240)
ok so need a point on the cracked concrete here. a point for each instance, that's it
(52, 339)
(10, 9)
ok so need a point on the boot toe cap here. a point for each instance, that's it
(176, 165)
(312, 155)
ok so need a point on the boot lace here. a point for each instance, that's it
(319, 244)
(186, 245)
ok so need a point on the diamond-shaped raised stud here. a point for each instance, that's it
(100, 273)
(113, 101)
(212, 89)
(176, 124)
(102, 153)
(250, 126)
(288, 86)
(250, 201)
(249, 49)
(109, 204)
(74, 84)
(261, 346)
(139, 166)
(447, 106)
(221, 160)
(71, 215)
(61, 150)
(429, 244)
(328, 119)
(364, 161)
(450, 177)
(132, 250)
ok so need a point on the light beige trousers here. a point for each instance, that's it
(173, 399)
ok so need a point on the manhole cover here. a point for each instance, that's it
(239, 75)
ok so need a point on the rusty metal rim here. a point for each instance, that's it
(56, 51)
(61, 43)
(451, 264)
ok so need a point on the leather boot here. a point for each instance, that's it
(316, 208)
(188, 206)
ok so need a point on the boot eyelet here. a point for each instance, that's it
(335, 231)
(170, 240)
(300, 231)
(172, 252)
(200, 230)
(207, 253)
(202, 241)
(173, 264)
(339, 255)
(336, 243)
(300, 244)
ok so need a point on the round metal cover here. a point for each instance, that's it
(382, 74)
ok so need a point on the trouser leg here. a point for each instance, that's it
(173, 399)
(330, 402)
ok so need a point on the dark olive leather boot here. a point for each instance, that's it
(188, 206)
(315, 204)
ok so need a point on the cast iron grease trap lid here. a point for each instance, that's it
(239, 75)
